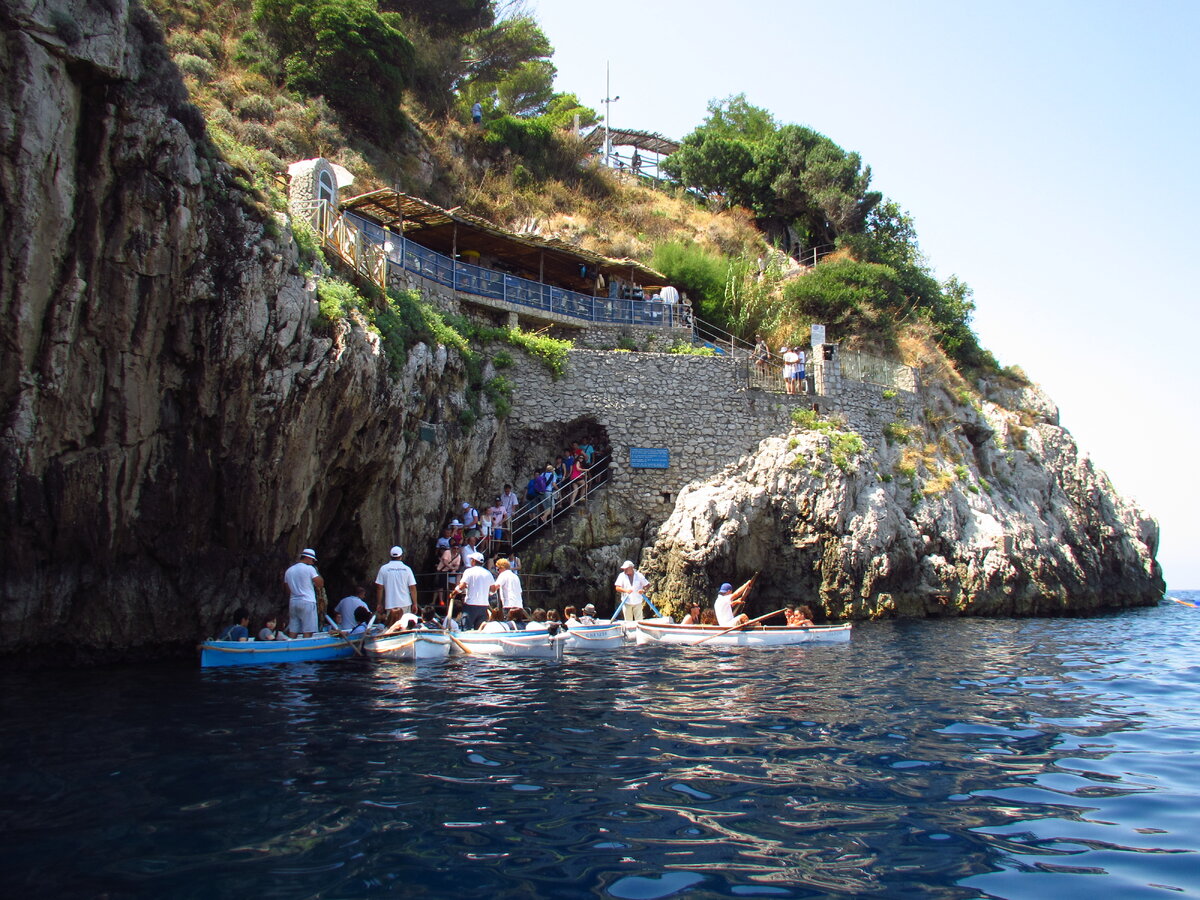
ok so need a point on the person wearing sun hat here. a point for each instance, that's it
(632, 584)
(395, 588)
(303, 581)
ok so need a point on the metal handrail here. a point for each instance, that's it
(525, 523)
(369, 249)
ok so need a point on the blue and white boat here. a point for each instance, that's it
(320, 646)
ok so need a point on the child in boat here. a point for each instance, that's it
(589, 615)
(239, 630)
(694, 615)
(572, 616)
(362, 616)
(270, 631)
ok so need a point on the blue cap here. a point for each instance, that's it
(726, 588)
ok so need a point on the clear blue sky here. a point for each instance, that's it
(1047, 152)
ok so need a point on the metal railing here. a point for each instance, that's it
(876, 370)
(535, 515)
(370, 249)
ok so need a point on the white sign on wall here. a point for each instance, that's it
(818, 335)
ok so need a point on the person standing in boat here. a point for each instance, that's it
(631, 585)
(395, 588)
(303, 581)
(508, 587)
(729, 603)
(475, 585)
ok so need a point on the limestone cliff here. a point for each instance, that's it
(967, 511)
(172, 427)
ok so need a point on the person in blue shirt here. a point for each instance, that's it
(239, 631)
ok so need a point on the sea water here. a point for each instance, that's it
(957, 758)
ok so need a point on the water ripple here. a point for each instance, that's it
(939, 759)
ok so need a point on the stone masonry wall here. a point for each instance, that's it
(686, 404)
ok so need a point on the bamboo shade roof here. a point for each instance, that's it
(624, 137)
(446, 231)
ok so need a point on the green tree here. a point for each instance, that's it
(345, 50)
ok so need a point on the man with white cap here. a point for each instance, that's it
(395, 588)
(303, 581)
(631, 584)
(476, 584)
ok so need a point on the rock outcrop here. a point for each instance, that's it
(969, 513)
(173, 428)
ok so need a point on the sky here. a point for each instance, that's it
(1046, 151)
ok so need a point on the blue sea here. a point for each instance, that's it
(955, 758)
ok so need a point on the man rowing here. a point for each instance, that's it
(729, 603)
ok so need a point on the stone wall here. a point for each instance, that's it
(688, 405)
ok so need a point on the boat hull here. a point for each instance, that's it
(774, 636)
(601, 636)
(323, 646)
(412, 646)
(512, 643)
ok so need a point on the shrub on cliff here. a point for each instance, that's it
(700, 272)
(345, 50)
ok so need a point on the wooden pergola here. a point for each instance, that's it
(453, 233)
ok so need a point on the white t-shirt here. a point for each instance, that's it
(537, 626)
(464, 554)
(494, 626)
(299, 579)
(345, 611)
(510, 502)
(723, 607)
(638, 583)
(479, 583)
(408, 620)
(396, 579)
(510, 590)
(497, 514)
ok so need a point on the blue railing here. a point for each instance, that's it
(483, 282)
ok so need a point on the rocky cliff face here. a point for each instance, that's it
(173, 429)
(969, 512)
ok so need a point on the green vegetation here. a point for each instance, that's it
(843, 445)
(682, 348)
(898, 432)
(373, 84)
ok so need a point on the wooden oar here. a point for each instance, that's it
(333, 629)
(739, 625)
(450, 634)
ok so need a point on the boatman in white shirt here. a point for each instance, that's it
(303, 581)
(631, 585)
(475, 584)
(729, 603)
(395, 589)
(508, 588)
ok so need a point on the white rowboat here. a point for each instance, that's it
(601, 636)
(512, 643)
(416, 646)
(771, 636)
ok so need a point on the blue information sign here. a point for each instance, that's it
(649, 457)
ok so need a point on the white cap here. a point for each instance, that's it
(311, 554)
(455, 523)
(477, 556)
(397, 552)
(628, 564)
(466, 505)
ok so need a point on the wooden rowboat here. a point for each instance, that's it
(512, 643)
(771, 636)
(601, 636)
(417, 646)
(320, 646)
